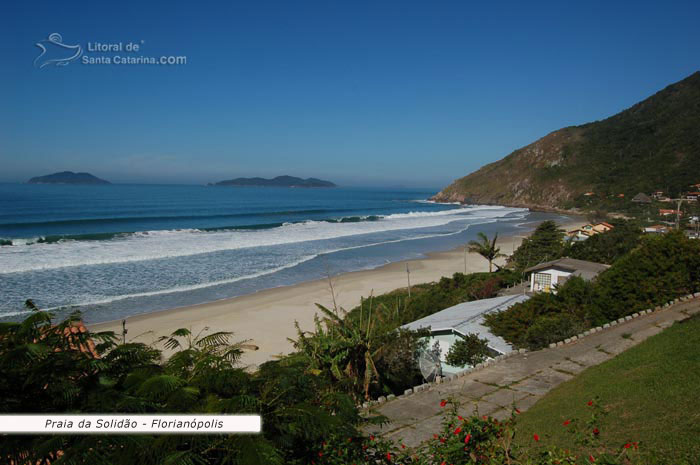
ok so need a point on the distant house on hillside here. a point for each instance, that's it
(578, 235)
(692, 196)
(546, 276)
(447, 325)
(602, 227)
(588, 230)
(589, 194)
(666, 212)
(656, 229)
(658, 195)
(641, 198)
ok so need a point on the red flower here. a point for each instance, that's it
(388, 456)
(536, 437)
(435, 436)
(458, 430)
(460, 417)
(371, 438)
(320, 454)
(403, 446)
(636, 445)
(596, 431)
(442, 440)
(591, 459)
(590, 402)
(443, 402)
(567, 422)
(467, 438)
(628, 445)
(517, 410)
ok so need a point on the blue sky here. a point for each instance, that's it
(361, 93)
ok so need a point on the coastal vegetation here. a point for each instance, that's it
(64, 367)
(657, 270)
(486, 248)
(544, 244)
(426, 299)
(364, 357)
(467, 350)
(607, 248)
(307, 417)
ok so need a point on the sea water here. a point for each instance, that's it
(117, 250)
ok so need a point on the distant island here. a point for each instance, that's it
(279, 181)
(68, 177)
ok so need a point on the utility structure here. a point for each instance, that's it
(408, 278)
(466, 251)
(678, 212)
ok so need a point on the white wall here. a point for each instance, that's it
(553, 272)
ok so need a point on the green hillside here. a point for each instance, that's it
(654, 145)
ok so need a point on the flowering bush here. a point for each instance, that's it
(480, 440)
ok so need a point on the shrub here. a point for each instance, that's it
(608, 246)
(545, 243)
(480, 440)
(549, 329)
(467, 350)
(661, 269)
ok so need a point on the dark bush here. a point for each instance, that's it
(467, 350)
(554, 328)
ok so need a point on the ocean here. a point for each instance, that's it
(118, 250)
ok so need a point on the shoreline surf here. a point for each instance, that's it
(267, 316)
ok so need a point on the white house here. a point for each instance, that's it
(656, 229)
(546, 276)
(447, 325)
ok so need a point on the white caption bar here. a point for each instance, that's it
(129, 424)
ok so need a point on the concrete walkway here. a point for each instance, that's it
(520, 380)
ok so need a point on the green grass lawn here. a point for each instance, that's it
(652, 392)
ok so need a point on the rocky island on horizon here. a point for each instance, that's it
(68, 177)
(279, 181)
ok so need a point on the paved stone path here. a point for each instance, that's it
(521, 379)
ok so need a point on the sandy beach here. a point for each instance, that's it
(267, 317)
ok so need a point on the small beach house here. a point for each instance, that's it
(546, 276)
(656, 229)
(447, 325)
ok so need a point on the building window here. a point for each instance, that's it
(543, 281)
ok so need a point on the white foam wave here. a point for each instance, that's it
(152, 245)
(192, 287)
(106, 300)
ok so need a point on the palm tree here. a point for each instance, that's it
(486, 248)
